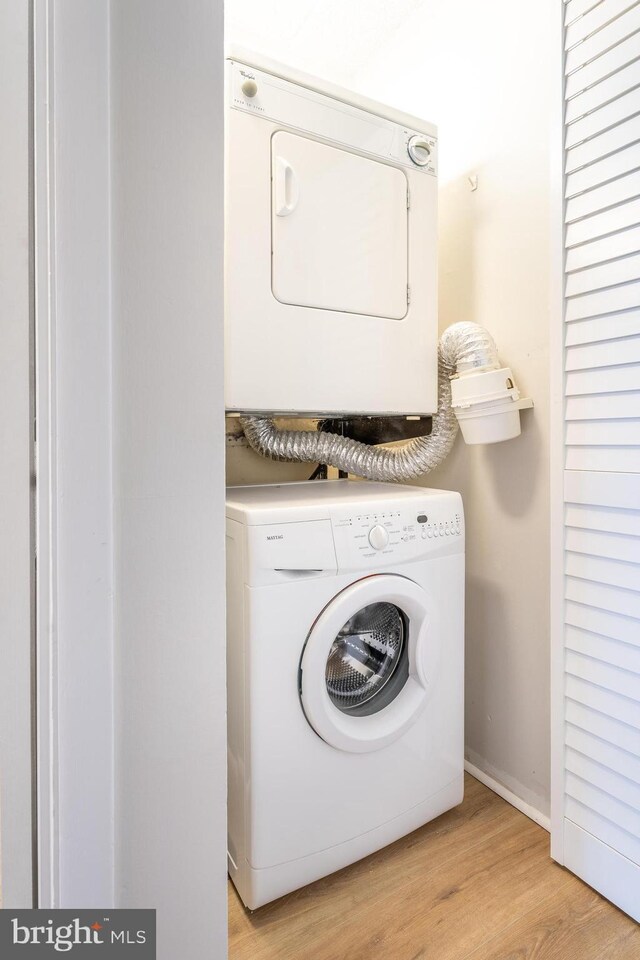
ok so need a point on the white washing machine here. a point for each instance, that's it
(345, 674)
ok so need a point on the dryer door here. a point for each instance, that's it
(368, 664)
(339, 229)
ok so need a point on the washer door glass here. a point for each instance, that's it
(368, 662)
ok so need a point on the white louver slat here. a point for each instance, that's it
(609, 221)
(623, 655)
(601, 119)
(604, 40)
(610, 194)
(608, 141)
(596, 18)
(596, 816)
(603, 407)
(576, 8)
(613, 326)
(608, 62)
(622, 270)
(614, 298)
(610, 167)
(608, 248)
(603, 354)
(603, 92)
(612, 738)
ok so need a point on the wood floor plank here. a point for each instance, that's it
(446, 892)
(449, 911)
(576, 924)
(480, 815)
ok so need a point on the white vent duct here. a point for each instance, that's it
(473, 390)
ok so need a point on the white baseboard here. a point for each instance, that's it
(509, 796)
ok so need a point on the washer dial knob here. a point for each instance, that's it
(419, 149)
(378, 537)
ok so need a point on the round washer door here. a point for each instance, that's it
(367, 663)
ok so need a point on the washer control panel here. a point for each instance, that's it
(399, 535)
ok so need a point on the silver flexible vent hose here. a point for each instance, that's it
(462, 347)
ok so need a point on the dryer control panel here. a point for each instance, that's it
(275, 98)
(436, 528)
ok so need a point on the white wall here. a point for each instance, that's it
(479, 72)
(332, 39)
(15, 452)
(167, 201)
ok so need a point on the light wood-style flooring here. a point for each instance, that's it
(476, 884)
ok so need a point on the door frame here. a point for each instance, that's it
(17, 864)
(73, 528)
(93, 771)
(556, 437)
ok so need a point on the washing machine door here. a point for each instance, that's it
(368, 663)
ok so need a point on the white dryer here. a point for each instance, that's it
(345, 674)
(330, 248)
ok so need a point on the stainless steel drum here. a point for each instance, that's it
(365, 655)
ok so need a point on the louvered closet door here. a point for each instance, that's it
(596, 821)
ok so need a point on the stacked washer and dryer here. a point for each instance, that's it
(345, 598)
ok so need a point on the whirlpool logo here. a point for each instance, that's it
(41, 933)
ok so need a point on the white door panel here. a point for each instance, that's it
(596, 680)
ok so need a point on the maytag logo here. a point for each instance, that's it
(38, 933)
(276, 536)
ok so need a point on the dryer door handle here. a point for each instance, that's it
(285, 188)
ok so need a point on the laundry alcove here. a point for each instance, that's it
(128, 346)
